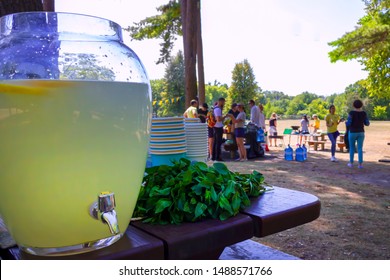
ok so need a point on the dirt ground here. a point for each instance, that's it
(355, 213)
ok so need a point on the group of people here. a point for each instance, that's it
(357, 119)
(305, 126)
(355, 123)
(215, 120)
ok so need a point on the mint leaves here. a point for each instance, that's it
(188, 192)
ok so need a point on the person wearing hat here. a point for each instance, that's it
(192, 111)
(316, 124)
(202, 112)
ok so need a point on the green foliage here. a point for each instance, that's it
(165, 26)
(171, 87)
(380, 112)
(369, 43)
(319, 107)
(215, 91)
(340, 102)
(175, 85)
(244, 86)
(158, 87)
(309, 103)
(276, 95)
(344, 101)
(299, 104)
(188, 192)
(84, 67)
(274, 101)
(330, 99)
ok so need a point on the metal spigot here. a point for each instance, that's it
(104, 210)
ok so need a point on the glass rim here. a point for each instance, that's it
(86, 25)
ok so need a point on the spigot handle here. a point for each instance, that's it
(106, 202)
(111, 220)
(104, 210)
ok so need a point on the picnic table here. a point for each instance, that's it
(316, 140)
(275, 211)
(319, 140)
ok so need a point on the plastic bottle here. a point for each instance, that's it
(289, 153)
(299, 154)
(260, 135)
(304, 152)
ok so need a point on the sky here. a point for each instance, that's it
(285, 41)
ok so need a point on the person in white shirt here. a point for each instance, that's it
(262, 117)
(255, 113)
(218, 130)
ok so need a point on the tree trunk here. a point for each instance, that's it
(199, 52)
(183, 14)
(48, 5)
(16, 6)
(189, 37)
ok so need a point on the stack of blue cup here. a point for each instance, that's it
(167, 140)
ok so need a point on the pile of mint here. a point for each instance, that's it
(188, 192)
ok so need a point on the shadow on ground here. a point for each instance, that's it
(355, 211)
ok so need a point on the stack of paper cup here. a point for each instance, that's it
(197, 141)
(192, 120)
(167, 140)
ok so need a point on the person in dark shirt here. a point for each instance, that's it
(202, 112)
(357, 119)
(234, 110)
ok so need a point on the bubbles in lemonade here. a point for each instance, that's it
(61, 146)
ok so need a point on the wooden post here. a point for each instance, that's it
(199, 52)
(48, 5)
(189, 37)
(17, 6)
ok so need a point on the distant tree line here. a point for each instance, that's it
(168, 93)
(368, 43)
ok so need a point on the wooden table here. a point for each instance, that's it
(201, 240)
(316, 141)
(282, 209)
(280, 137)
(134, 245)
(270, 213)
(320, 140)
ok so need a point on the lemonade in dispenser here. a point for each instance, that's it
(75, 112)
